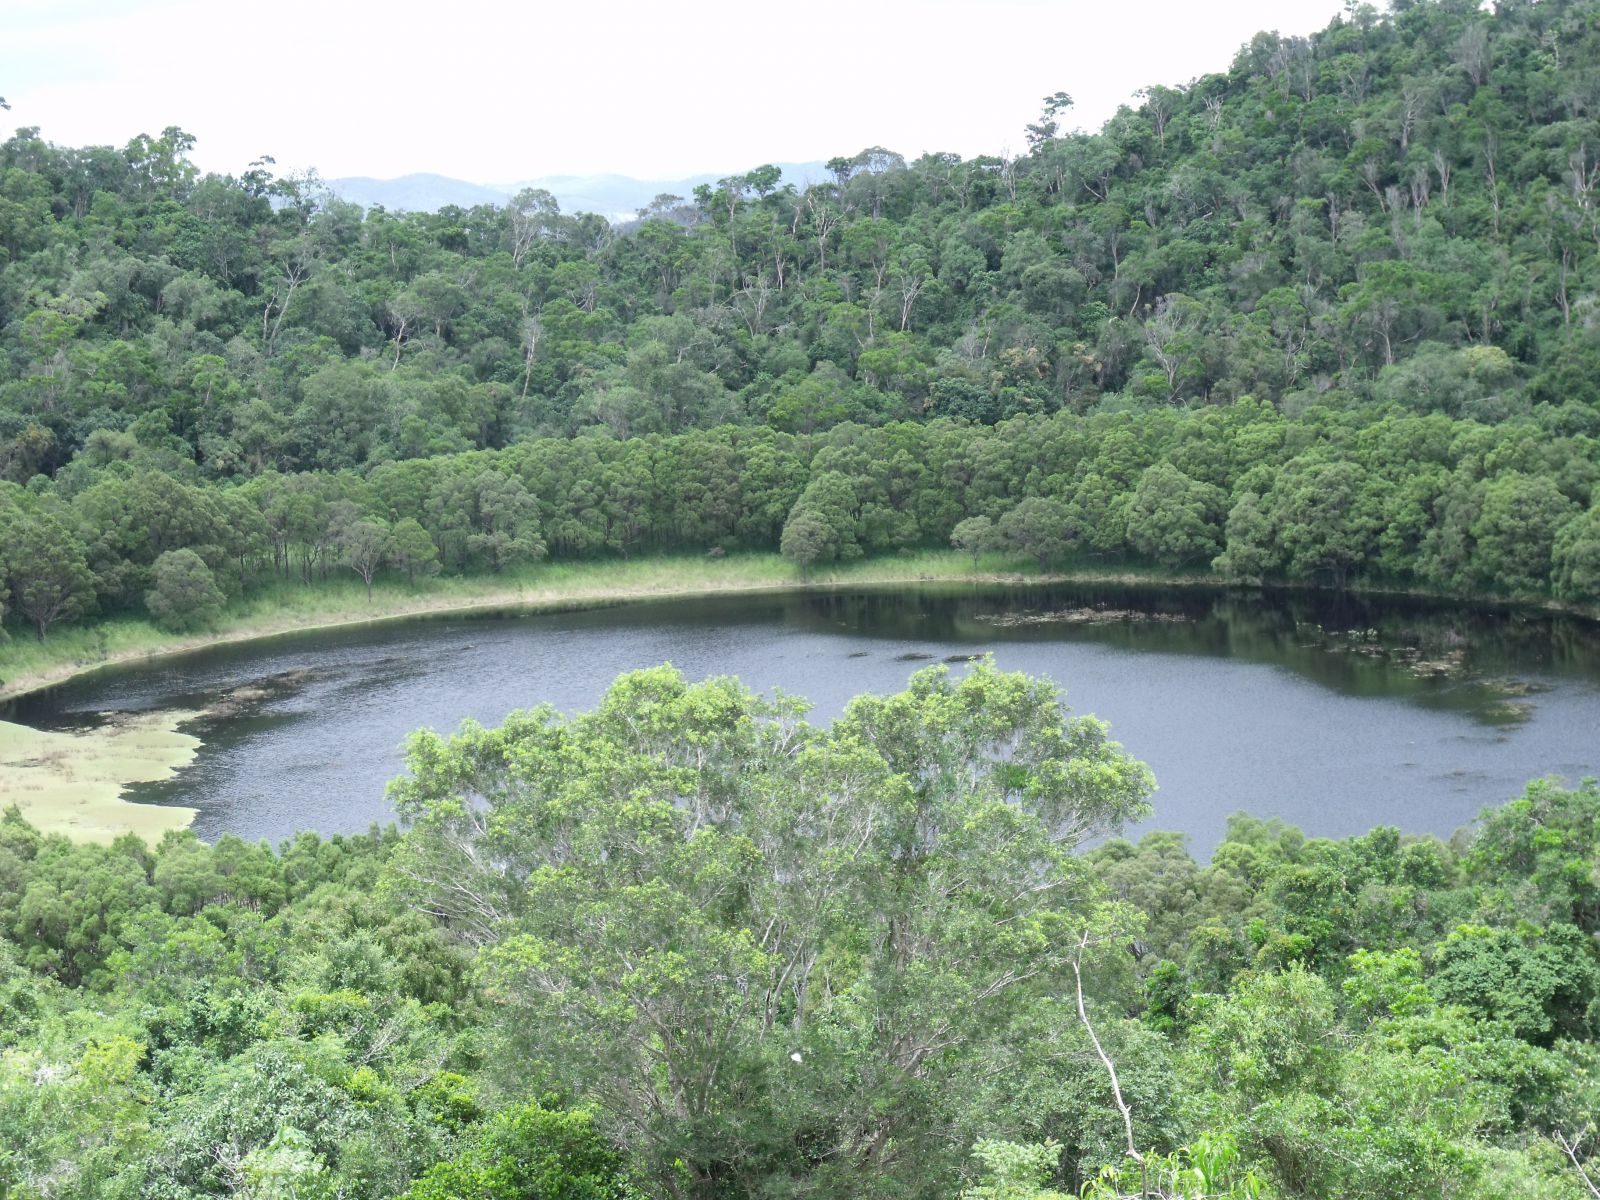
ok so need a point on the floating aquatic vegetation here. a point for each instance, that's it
(72, 782)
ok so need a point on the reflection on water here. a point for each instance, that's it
(1334, 713)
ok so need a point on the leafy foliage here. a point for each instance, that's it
(184, 595)
(1321, 316)
(689, 945)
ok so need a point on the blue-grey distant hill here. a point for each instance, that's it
(616, 196)
(415, 193)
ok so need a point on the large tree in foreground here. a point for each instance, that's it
(766, 951)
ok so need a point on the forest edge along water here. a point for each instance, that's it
(1232, 696)
(30, 667)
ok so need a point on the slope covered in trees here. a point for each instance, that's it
(1401, 207)
(687, 945)
(1328, 498)
(1326, 315)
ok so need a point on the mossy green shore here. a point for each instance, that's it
(72, 782)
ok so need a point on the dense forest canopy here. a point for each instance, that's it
(1328, 315)
(1404, 207)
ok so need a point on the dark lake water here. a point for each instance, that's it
(1334, 714)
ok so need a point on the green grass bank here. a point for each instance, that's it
(72, 783)
(288, 607)
(282, 607)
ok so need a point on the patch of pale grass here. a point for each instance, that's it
(72, 783)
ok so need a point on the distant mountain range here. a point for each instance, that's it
(415, 193)
(617, 197)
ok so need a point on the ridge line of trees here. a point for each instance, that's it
(1328, 497)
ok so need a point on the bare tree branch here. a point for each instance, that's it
(1111, 1067)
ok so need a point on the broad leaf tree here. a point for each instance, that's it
(761, 949)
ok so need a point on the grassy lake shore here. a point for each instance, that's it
(27, 665)
(72, 782)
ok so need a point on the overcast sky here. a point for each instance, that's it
(496, 91)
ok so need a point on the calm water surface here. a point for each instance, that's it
(1336, 715)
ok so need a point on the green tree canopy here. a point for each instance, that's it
(662, 864)
(185, 595)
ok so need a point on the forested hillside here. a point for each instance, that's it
(1371, 213)
(688, 946)
(1328, 315)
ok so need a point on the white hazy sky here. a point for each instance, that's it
(495, 91)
